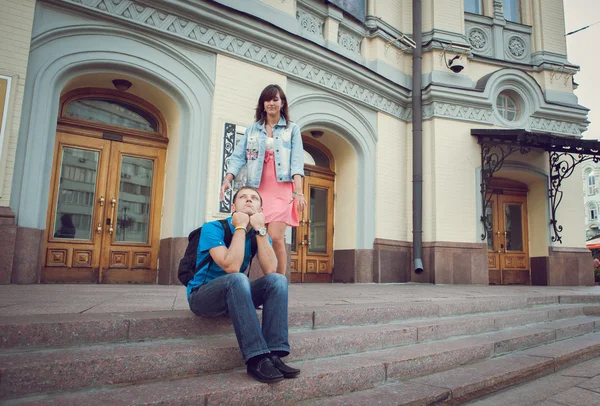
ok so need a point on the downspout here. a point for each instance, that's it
(417, 130)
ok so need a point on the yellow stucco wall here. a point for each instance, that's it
(237, 88)
(346, 166)
(287, 6)
(391, 11)
(16, 20)
(392, 205)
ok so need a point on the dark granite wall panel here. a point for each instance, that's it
(8, 238)
(28, 256)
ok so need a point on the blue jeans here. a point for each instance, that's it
(234, 295)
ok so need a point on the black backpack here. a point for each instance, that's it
(187, 265)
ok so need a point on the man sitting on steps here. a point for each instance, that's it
(220, 288)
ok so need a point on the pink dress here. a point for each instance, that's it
(276, 195)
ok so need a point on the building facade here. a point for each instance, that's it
(122, 115)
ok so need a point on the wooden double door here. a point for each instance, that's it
(507, 239)
(104, 211)
(312, 240)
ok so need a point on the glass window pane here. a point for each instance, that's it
(112, 112)
(76, 190)
(514, 227)
(135, 196)
(318, 220)
(473, 6)
(511, 11)
(317, 157)
(488, 225)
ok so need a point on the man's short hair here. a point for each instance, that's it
(248, 188)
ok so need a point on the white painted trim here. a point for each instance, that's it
(3, 120)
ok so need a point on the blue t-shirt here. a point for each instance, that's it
(213, 236)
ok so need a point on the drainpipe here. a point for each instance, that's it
(417, 130)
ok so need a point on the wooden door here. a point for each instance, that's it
(508, 252)
(312, 240)
(104, 213)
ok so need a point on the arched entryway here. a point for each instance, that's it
(508, 233)
(312, 240)
(106, 189)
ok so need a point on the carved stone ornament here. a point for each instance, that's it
(349, 42)
(309, 23)
(477, 38)
(516, 47)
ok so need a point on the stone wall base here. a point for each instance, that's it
(8, 238)
(563, 266)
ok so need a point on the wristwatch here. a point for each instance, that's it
(261, 231)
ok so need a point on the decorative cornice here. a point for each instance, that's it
(458, 112)
(348, 41)
(221, 41)
(309, 23)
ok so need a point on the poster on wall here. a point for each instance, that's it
(4, 93)
(231, 136)
(356, 8)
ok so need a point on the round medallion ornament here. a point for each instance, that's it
(477, 38)
(516, 47)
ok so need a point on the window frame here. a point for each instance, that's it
(503, 110)
(480, 6)
(517, 7)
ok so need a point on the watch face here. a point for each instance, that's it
(262, 231)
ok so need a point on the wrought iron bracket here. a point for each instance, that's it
(562, 165)
(492, 159)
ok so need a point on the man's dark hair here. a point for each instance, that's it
(247, 188)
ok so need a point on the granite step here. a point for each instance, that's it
(469, 382)
(56, 331)
(464, 371)
(26, 372)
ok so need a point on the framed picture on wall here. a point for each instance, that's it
(232, 134)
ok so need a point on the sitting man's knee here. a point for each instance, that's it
(238, 279)
(277, 279)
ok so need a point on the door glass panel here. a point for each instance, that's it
(514, 227)
(293, 245)
(76, 194)
(489, 223)
(318, 220)
(135, 195)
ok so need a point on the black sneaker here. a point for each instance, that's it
(287, 371)
(264, 371)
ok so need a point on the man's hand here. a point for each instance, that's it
(239, 219)
(257, 220)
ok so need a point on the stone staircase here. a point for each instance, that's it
(416, 353)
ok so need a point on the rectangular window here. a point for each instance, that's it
(473, 7)
(591, 184)
(512, 10)
(592, 214)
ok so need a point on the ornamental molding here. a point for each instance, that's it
(458, 112)
(348, 41)
(221, 41)
(309, 23)
(554, 126)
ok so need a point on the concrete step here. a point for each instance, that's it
(57, 331)
(468, 382)
(462, 371)
(38, 371)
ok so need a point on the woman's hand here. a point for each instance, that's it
(224, 187)
(300, 201)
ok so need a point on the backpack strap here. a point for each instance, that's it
(228, 235)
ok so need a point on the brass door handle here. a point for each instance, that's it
(113, 203)
(99, 228)
(101, 200)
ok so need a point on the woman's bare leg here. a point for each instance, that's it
(276, 231)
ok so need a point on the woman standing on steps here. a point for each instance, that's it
(273, 152)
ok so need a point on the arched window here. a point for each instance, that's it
(314, 156)
(592, 212)
(109, 109)
(591, 183)
(113, 112)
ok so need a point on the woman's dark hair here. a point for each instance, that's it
(267, 94)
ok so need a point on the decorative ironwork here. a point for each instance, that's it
(562, 165)
(228, 146)
(492, 159)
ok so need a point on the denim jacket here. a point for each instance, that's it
(250, 151)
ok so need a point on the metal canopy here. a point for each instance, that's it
(564, 154)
